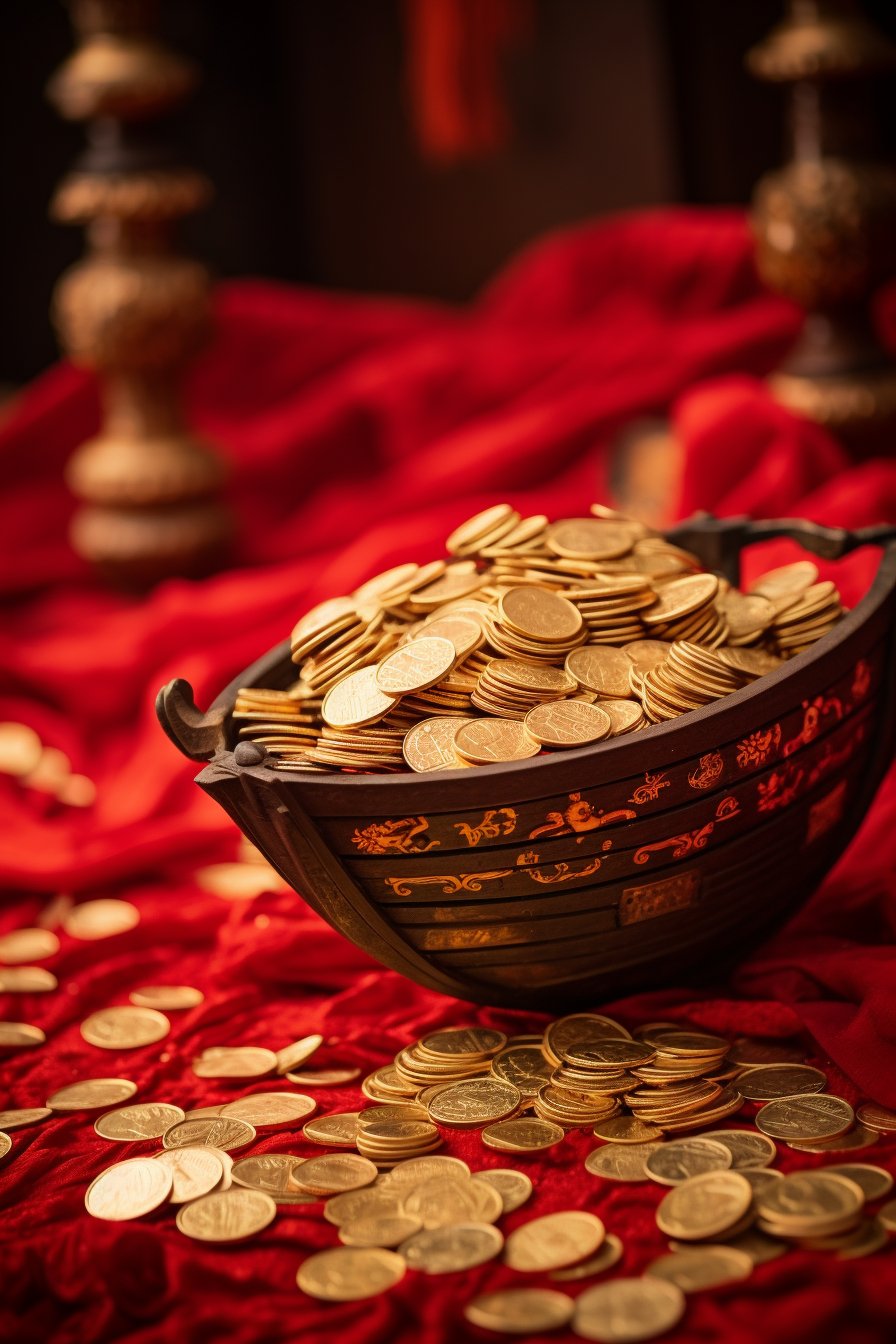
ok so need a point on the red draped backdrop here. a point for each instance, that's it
(360, 432)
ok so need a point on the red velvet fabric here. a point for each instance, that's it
(360, 433)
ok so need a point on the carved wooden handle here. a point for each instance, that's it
(196, 734)
(719, 541)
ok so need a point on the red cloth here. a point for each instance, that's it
(361, 432)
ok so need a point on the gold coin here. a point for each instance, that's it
(457, 582)
(333, 1173)
(590, 538)
(22, 945)
(388, 1114)
(520, 1311)
(270, 1110)
(475, 1102)
(760, 1177)
(398, 1137)
(852, 1139)
(673, 1163)
(487, 741)
(805, 1118)
(407, 1175)
(463, 1041)
(524, 1067)
(235, 1061)
(212, 1132)
(26, 980)
(627, 1129)
(554, 1241)
(272, 1173)
(788, 581)
(135, 1124)
(92, 1094)
(749, 1150)
(231, 1215)
(705, 1205)
(745, 614)
(514, 1187)
(609, 1054)
(124, 1028)
(348, 1274)
(877, 1117)
(874, 1182)
(688, 1043)
(610, 1254)
(292, 1055)
(624, 1311)
(440, 1202)
(430, 745)
(128, 1190)
(480, 525)
(100, 919)
(680, 598)
(524, 1135)
(579, 1029)
(337, 1131)
(620, 1162)
(601, 668)
(372, 1201)
(20, 1119)
(17, 1035)
(754, 662)
(624, 715)
(20, 749)
(886, 1216)
(324, 1077)
(870, 1237)
(567, 723)
(538, 615)
(780, 1080)
(5, 1144)
(194, 1172)
(415, 666)
(356, 701)
(166, 998)
(379, 1231)
(464, 633)
(447, 1250)
(708, 1267)
(810, 1200)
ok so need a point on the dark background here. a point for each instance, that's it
(301, 120)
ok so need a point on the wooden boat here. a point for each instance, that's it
(580, 875)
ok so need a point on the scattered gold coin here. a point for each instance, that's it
(447, 1250)
(673, 1163)
(333, 1173)
(705, 1206)
(337, 1131)
(627, 1129)
(618, 1162)
(610, 1253)
(92, 1094)
(524, 1135)
(128, 1190)
(877, 1117)
(194, 1171)
(624, 1311)
(272, 1173)
(524, 1067)
(26, 980)
(135, 1124)
(323, 1077)
(231, 1215)
(347, 1274)
(124, 1028)
(488, 741)
(429, 745)
(810, 1203)
(706, 1267)
(166, 998)
(441, 1202)
(514, 1187)
(419, 1169)
(20, 1119)
(373, 1201)
(567, 723)
(18, 1035)
(356, 702)
(805, 1118)
(270, 1110)
(5, 1145)
(474, 1103)
(235, 1061)
(22, 945)
(874, 1182)
(416, 666)
(780, 1080)
(213, 1132)
(849, 1141)
(748, 1148)
(379, 1231)
(100, 919)
(554, 1241)
(291, 1056)
(520, 1311)
(886, 1216)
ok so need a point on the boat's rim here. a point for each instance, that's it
(653, 747)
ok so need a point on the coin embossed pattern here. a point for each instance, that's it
(532, 636)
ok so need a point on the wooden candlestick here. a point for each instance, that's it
(825, 224)
(134, 309)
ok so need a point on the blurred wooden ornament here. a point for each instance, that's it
(825, 223)
(134, 309)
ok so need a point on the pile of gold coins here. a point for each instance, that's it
(396, 1201)
(533, 636)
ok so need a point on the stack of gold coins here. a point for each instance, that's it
(373, 750)
(798, 627)
(386, 1142)
(534, 625)
(750, 663)
(819, 1210)
(489, 528)
(686, 609)
(688, 678)
(449, 1056)
(509, 688)
(385, 1086)
(611, 608)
